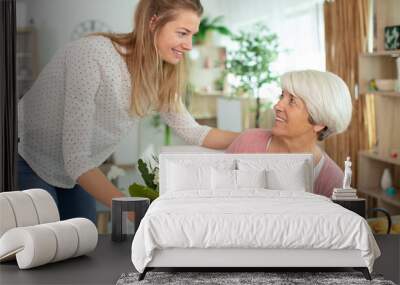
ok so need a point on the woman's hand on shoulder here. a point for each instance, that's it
(219, 139)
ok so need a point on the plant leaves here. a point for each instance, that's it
(148, 177)
(137, 190)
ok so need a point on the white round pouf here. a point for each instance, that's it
(23, 208)
(7, 216)
(45, 205)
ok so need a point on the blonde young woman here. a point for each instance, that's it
(91, 95)
(313, 106)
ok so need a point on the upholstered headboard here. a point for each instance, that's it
(181, 170)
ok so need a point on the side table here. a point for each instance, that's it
(120, 205)
(355, 205)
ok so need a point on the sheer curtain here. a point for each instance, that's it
(8, 99)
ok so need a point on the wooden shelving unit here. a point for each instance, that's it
(384, 94)
(394, 53)
(381, 64)
(377, 65)
(374, 155)
(371, 166)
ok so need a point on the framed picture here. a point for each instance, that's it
(392, 37)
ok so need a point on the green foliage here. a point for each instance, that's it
(206, 25)
(147, 176)
(137, 190)
(251, 62)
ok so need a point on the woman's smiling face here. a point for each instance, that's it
(291, 117)
(175, 37)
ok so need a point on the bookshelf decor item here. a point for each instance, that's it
(346, 192)
(392, 37)
(386, 180)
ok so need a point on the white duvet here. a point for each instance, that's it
(250, 219)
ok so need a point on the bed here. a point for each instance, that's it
(247, 210)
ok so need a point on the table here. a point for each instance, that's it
(355, 205)
(139, 205)
(104, 265)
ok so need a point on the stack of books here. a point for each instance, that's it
(344, 194)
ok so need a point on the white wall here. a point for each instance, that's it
(56, 19)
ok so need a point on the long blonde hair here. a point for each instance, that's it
(156, 84)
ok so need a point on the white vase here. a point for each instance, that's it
(386, 180)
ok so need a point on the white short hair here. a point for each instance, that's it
(326, 96)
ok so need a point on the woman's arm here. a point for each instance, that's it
(187, 128)
(82, 81)
(219, 139)
(97, 185)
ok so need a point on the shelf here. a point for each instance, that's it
(204, 117)
(372, 154)
(209, 93)
(378, 194)
(383, 93)
(394, 53)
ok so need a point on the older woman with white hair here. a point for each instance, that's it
(313, 105)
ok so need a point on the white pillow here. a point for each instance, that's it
(280, 175)
(183, 177)
(229, 179)
(223, 179)
(292, 179)
(251, 178)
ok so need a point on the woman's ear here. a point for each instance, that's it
(152, 24)
(318, 128)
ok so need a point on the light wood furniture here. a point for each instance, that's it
(371, 166)
(381, 64)
(387, 14)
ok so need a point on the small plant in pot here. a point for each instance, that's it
(150, 175)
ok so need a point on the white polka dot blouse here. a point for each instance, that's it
(77, 112)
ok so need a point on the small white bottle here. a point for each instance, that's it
(386, 180)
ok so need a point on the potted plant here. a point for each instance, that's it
(207, 25)
(150, 175)
(251, 62)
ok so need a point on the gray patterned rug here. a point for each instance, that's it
(243, 278)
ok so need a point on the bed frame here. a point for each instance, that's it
(245, 259)
(240, 259)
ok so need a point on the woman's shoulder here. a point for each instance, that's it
(331, 166)
(91, 45)
(250, 140)
(255, 134)
(330, 176)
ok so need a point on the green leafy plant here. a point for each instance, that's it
(206, 25)
(149, 174)
(251, 62)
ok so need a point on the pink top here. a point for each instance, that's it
(255, 141)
